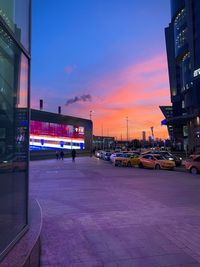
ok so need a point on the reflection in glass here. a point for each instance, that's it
(13, 141)
(23, 83)
(16, 15)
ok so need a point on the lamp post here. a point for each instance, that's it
(91, 141)
(91, 114)
(127, 129)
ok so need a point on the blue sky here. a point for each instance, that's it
(84, 46)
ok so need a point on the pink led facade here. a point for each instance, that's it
(49, 135)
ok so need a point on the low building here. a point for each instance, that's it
(51, 131)
(103, 142)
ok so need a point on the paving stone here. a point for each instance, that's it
(98, 215)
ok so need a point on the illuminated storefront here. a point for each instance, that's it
(51, 131)
(46, 135)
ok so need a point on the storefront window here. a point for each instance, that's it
(16, 15)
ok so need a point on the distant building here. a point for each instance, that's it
(183, 52)
(103, 142)
(143, 136)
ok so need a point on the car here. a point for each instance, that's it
(106, 155)
(98, 153)
(127, 159)
(12, 166)
(167, 155)
(193, 164)
(194, 155)
(114, 155)
(156, 161)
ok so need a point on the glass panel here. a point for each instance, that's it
(16, 15)
(23, 83)
(13, 142)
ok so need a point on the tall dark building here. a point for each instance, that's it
(14, 121)
(183, 52)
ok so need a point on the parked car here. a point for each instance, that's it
(194, 155)
(167, 155)
(127, 159)
(12, 166)
(156, 161)
(114, 155)
(193, 164)
(98, 153)
(106, 155)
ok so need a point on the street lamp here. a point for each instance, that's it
(127, 128)
(91, 142)
(91, 114)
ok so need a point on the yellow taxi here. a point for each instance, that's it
(155, 161)
(127, 159)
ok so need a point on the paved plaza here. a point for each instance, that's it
(95, 215)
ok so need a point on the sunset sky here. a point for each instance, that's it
(111, 50)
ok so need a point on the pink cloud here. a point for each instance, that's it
(69, 69)
(136, 92)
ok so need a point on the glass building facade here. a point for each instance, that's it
(183, 52)
(14, 119)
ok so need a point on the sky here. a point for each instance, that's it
(104, 56)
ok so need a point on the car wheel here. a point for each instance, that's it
(141, 165)
(129, 164)
(157, 167)
(193, 170)
(119, 163)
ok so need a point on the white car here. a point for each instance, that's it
(114, 155)
(98, 154)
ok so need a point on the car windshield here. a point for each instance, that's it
(159, 157)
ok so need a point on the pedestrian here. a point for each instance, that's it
(73, 155)
(62, 154)
(57, 155)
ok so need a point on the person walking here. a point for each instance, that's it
(62, 154)
(73, 155)
(57, 155)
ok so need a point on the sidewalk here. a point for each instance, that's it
(97, 215)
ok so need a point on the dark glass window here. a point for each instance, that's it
(16, 14)
(180, 31)
(13, 140)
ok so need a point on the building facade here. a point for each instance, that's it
(14, 120)
(51, 131)
(168, 114)
(183, 52)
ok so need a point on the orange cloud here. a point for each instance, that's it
(136, 92)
